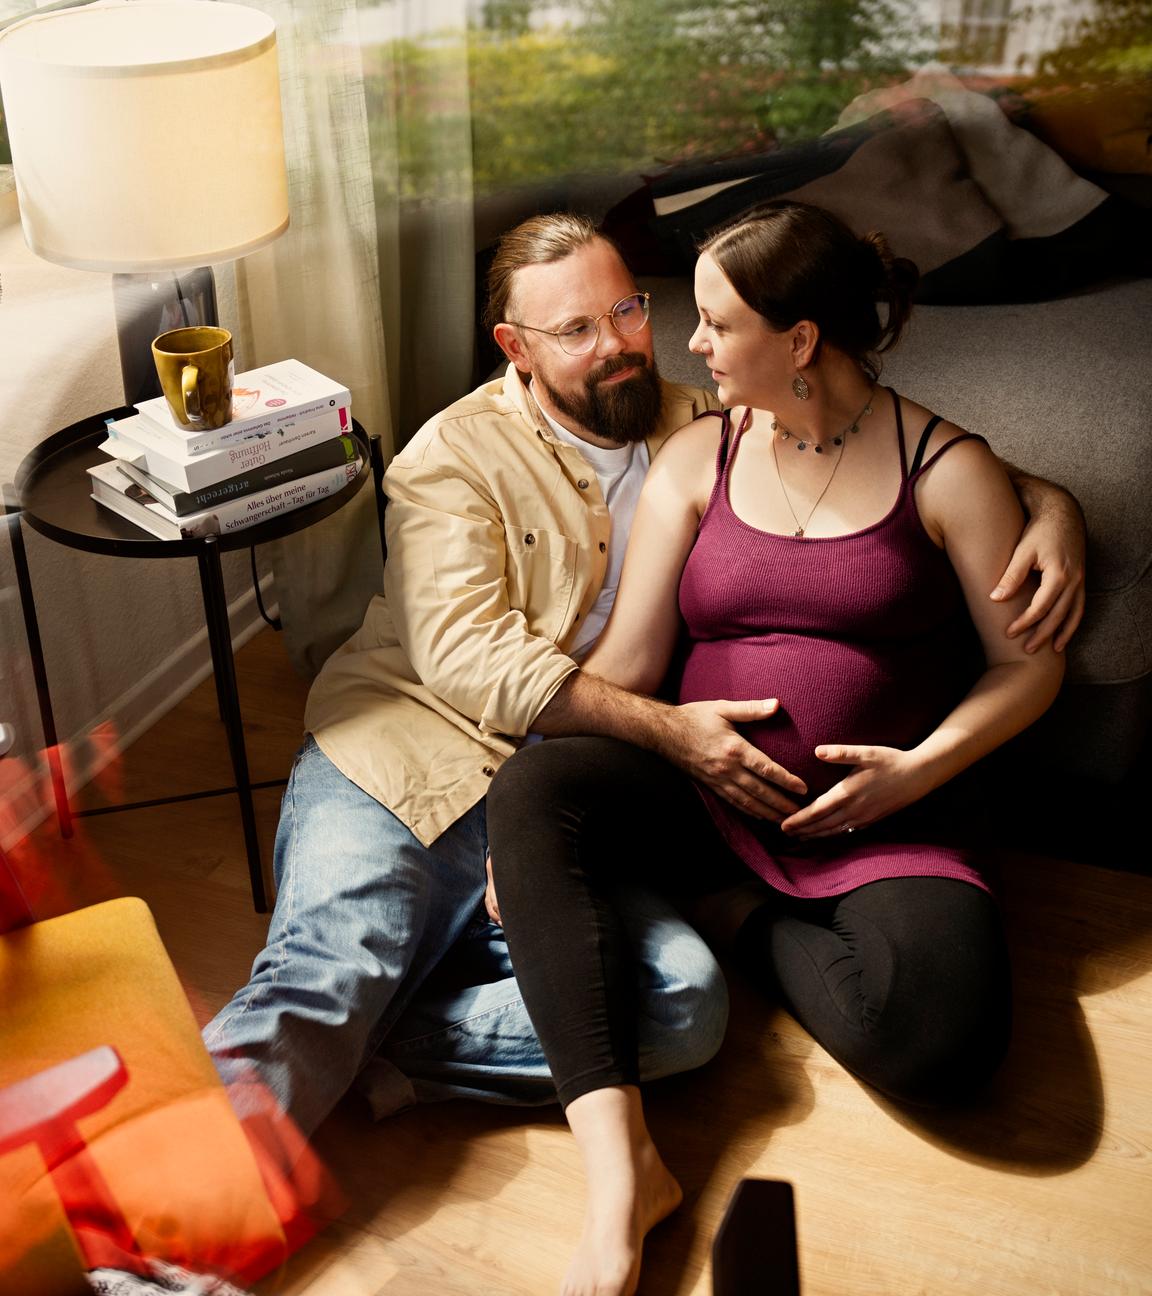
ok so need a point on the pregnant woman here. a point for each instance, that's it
(828, 544)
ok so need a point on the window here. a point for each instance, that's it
(984, 31)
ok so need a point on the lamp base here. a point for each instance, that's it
(148, 305)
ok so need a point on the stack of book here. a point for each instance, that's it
(289, 443)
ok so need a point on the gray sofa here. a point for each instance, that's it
(1064, 389)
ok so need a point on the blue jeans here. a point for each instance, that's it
(382, 970)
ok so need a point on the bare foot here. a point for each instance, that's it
(627, 1196)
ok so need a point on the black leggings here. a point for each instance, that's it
(905, 981)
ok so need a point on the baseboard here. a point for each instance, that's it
(130, 715)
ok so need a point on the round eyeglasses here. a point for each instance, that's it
(580, 335)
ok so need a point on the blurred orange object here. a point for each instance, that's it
(171, 1172)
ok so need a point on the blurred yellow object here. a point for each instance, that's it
(170, 1149)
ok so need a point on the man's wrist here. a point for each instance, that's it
(585, 704)
(1040, 497)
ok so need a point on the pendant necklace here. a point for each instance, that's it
(803, 443)
(800, 526)
(837, 440)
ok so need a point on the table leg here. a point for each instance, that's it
(214, 648)
(227, 696)
(40, 675)
(219, 668)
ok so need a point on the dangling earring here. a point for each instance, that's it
(800, 388)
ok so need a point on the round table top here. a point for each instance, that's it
(54, 495)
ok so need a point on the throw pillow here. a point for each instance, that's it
(1035, 191)
(1064, 232)
(899, 171)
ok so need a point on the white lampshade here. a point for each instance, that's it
(146, 135)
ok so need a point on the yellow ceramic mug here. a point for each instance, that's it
(196, 372)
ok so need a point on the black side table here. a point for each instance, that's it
(53, 497)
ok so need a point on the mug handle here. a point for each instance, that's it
(191, 393)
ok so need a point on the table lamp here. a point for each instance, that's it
(147, 140)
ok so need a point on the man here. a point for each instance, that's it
(508, 516)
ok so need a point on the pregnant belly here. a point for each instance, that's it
(829, 693)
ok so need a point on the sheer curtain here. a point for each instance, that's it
(373, 283)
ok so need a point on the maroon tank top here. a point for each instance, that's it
(864, 638)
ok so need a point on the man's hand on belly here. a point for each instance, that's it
(702, 740)
(699, 737)
(884, 780)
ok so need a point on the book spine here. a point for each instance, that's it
(209, 470)
(329, 411)
(234, 515)
(249, 455)
(313, 459)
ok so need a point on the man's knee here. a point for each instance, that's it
(683, 1007)
(705, 1019)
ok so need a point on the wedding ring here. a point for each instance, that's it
(849, 828)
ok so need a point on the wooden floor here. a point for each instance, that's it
(1044, 1187)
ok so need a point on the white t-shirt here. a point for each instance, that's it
(620, 472)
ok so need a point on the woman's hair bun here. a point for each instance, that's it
(896, 280)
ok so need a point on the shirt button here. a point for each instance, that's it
(488, 771)
(529, 538)
(583, 483)
(603, 547)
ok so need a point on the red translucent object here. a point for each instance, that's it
(44, 1109)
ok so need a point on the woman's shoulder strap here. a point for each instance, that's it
(727, 440)
(919, 467)
(922, 445)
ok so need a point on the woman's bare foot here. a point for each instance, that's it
(630, 1190)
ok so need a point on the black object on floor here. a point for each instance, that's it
(754, 1253)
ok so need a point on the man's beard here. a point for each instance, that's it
(623, 412)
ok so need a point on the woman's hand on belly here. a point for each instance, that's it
(883, 780)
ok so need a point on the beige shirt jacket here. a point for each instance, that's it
(497, 546)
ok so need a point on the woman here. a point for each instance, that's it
(829, 544)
